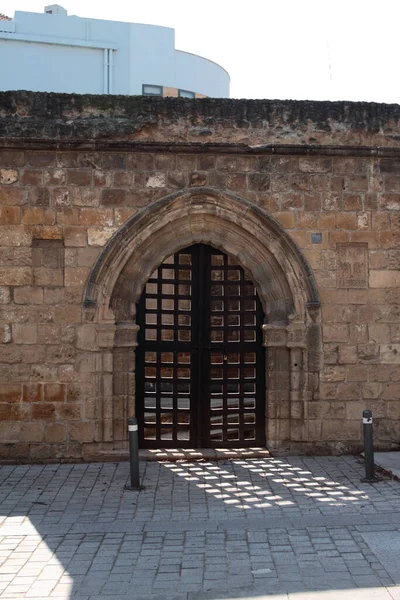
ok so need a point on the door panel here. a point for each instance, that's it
(200, 359)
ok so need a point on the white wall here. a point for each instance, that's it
(61, 56)
(198, 74)
(50, 68)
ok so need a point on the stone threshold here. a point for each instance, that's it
(175, 454)
(188, 454)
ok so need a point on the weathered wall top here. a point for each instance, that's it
(70, 119)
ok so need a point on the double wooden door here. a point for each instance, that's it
(200, 361)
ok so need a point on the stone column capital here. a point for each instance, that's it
(284, 336)
(126, 335)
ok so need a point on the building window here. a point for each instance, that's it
(152, 90)
(185, 94)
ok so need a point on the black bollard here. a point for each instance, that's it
(133, 455)
(368, 447)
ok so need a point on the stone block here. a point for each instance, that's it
(389, 202)
(75, 237)
(391, 391)
(12, 158)
(5, 412)
(368, 353)
(348, 354)
(357, 372)
(395, 334)
(5, 296)
(13, 196)
(32, 354)
(156, 180)
(54, 392)
(10, 215)
(81, 432)
(15, 276)
(69, 412)
(54, 177)
(145, 162)
(86, 257)
(337, 373)
(389, 165)
(86, 337)
(286, 219)
(5, 334)
(28, 295)
(20, 412)
(81, 177)
(121, 215)
(40, 158)
(10, 392)
(82, 196)
(32, 177)
(91, 216)
(10, 433)
(379, 333)
(33, 216)
(390, 353)
(24, 333)
(60, 197)
(113, 197)
(234, 181)
(306, 220)
(55, 432)
(43, 412)
(315, 165)
(65, 315)
(76, 276)
(31, 432)
(39, 196)
(113, 160)
(349, 391)
(8, 176)
(312, 202)
(60, 354)
(335, 333)
(126, 178)
(371, 390)
(43, 276)
(99, 236)
(32, 392)
(337, 429)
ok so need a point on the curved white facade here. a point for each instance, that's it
(60, 53)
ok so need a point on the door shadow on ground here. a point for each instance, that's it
(216, 530)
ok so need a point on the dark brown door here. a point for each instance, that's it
(200, 360)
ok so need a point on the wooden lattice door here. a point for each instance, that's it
(200, 360)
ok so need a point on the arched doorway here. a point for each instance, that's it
(286, 288)
(200, 374)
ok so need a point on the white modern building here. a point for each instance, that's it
(54, 52)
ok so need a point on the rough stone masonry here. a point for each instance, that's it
(96, 191)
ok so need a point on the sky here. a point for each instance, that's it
(282, 49)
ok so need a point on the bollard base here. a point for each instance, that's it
(134, 488)
(373, 480)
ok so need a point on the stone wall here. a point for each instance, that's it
(324, 178)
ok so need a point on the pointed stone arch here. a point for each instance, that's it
(283, 278)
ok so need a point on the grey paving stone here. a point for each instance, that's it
(176, 537)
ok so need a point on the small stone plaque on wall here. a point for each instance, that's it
(352, 265)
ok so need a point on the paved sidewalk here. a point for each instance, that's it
(283, 528)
